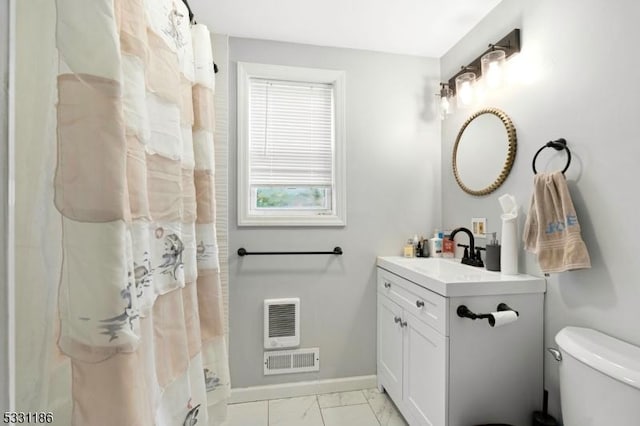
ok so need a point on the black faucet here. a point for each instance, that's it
(473, 258)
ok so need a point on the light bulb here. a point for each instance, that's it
(464, 89)
(445, 101)
(466, 93)
(494, 75)
(445, 105)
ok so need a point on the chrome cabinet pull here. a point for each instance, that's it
(419, 303)
(398, 320)
(387, 285)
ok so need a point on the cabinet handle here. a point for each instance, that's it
(403, 324)
(387, 285)
(398, 320)
(419, 303)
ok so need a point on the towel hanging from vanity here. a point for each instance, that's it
(552, 230)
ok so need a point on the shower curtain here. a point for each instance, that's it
(139, 301)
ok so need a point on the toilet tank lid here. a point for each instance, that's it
(615, 358)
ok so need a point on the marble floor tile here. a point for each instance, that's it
(301, 411)
(351, 415)
(384, 409)
(248, 414)
(340, 399)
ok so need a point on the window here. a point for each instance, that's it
(291, 166)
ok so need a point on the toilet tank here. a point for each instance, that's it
(599, 379)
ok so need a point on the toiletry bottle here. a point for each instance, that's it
(492, 262)
(409, 249)
(435, 244)
(448, 246)
(416, 245)
(425, 247)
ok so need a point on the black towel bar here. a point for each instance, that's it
(243, 252)
(558, 145)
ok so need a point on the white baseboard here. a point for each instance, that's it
(289, 390)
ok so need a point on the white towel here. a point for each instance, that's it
(552, 230)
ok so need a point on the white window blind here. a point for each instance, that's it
(291, 133)
(291, 146)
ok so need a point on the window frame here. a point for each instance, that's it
(248, 70)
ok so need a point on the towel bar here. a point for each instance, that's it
(243, 252)
(558, 145)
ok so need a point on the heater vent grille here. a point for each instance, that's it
(281, 323)
(282, 320)
(292, 361)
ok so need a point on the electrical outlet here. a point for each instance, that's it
(479, 227)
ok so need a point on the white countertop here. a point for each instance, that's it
(450, 278)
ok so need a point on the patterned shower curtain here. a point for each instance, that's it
(140, 302)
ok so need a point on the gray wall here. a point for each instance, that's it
(579, 59)
(4, 86)
(393, 181)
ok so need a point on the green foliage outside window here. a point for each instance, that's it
(291, 198)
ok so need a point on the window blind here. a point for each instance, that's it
(291, 133)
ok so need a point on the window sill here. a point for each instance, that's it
(310, 221)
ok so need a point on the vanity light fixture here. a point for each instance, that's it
(489, 65)
(446, 96)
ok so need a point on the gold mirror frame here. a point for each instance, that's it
(511, 151)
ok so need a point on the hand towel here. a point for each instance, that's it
(552, 230)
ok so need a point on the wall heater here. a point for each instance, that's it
(281, 323)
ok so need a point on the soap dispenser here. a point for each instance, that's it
(492, 262)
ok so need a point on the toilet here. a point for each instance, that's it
(599, 379)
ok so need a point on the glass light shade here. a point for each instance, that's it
(445, 106)
(493, 68)
(445, 101)
(464, 89)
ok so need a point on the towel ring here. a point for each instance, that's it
(558, 145)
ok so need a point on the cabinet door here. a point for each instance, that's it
(425, 373)
(390, 346)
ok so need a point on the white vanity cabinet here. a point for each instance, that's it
(443, 370)
(412, 355)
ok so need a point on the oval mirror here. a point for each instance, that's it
(484, 151)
